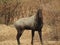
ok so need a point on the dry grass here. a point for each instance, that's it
(8, 37)
(51, 18)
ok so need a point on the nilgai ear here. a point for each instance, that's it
(40, 10)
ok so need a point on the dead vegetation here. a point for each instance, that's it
(25, 8)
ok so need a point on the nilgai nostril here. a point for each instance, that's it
(33, 23)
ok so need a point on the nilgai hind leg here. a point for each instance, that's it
(19, 33)
(32, 37)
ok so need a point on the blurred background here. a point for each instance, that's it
(12, 10)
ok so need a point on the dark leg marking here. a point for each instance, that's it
(19, 33)
(32, 36)
(18, 36)
(40, 35)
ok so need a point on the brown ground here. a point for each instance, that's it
(8, 37)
